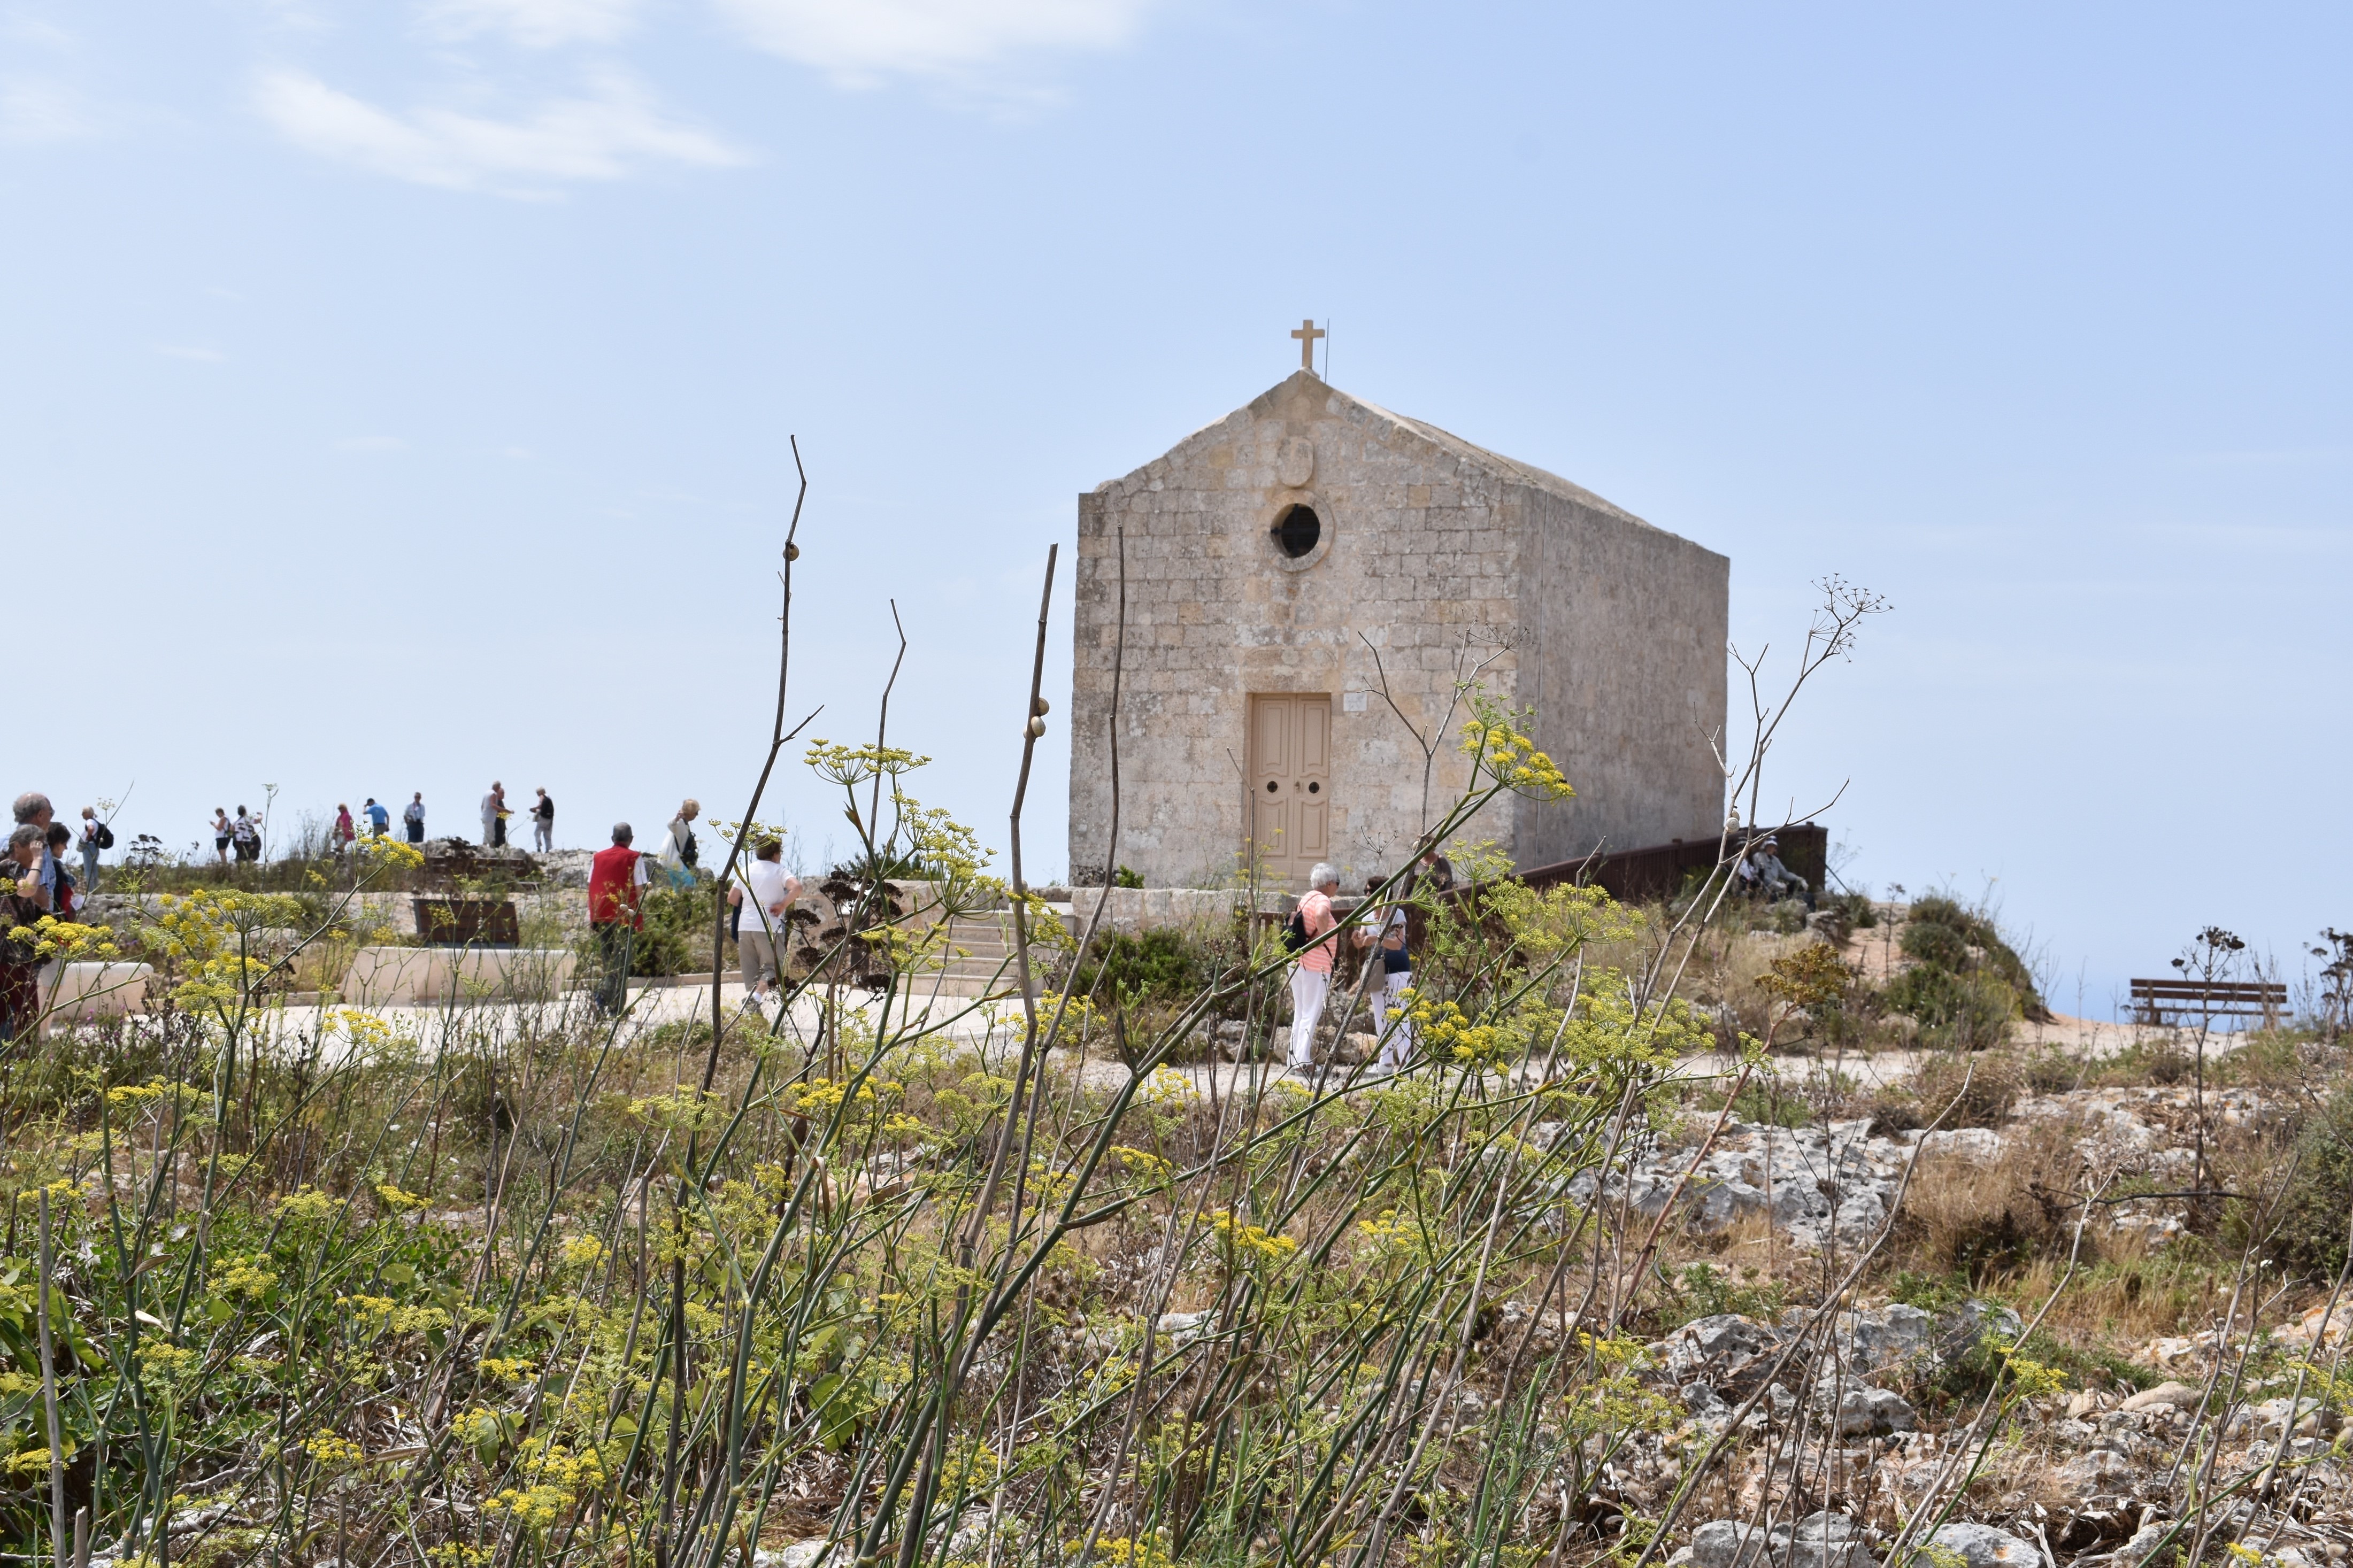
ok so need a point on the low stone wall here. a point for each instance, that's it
(394, 977)
(81, 993)
(1130, 910)
(395, 915)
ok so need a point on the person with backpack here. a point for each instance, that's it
(96, 835)
(1309, 935)
(1388, 933)
(245, 835)
(680, 855)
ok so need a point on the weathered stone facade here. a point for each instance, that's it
(1438, 553)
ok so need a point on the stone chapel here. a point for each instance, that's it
(1270, 554)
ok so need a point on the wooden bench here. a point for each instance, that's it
(2172, 1001)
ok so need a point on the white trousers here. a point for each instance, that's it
(1397, 1033)
(1309, 988)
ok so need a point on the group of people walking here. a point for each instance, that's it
(241, 837)
(761, 894)
(1381, 934)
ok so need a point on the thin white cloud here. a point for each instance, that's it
(42, 34)
(371, 443)
(538, 23)
(191, 351)
(861, 43)
(36, 113)
(614, 132)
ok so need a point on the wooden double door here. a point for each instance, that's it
(1290, 772)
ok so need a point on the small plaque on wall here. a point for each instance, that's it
(1352, 702)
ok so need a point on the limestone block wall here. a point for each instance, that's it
(1134, 910)
(1415, 555)
(1434, 553)
(1625, 665)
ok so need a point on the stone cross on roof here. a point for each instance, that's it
(1307, 333)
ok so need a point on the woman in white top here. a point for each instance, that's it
(680, 855)
(765, 891)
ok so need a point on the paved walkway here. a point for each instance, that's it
(993, 1029)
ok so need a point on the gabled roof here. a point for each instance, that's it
(1496, 462)
(1509, 469)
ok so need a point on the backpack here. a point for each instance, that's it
(1294, 933)
(103, 838)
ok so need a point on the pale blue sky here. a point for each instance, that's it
(393, 396)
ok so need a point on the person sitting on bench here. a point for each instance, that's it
(1750, 880)
(1780, 882)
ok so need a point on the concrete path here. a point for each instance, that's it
(993, 1030)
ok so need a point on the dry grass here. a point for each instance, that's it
(1980, 1217)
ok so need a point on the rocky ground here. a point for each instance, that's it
(1837, 1184)
(1927, 1430)
(1863, 1403)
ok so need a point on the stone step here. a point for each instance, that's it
(974, 958)
(965, 987)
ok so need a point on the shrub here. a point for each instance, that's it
(2051, 1071)
(1977, 1092)
(1704, 1290)
(1970, 1010)
(2311, 1236)
(1938, 914)
(1161, 964)
(676, 933)
(2160, 1059)
(1762, 1105)
(1860, 912)
(1929, 1293)
(1936, 947)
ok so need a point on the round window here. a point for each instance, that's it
(1297, 530)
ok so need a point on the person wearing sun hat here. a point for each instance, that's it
(1780, 882)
